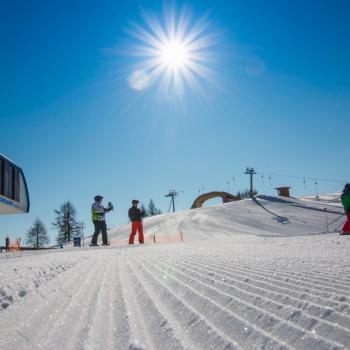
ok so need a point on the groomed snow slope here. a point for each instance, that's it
(263, 216)
(244, 278)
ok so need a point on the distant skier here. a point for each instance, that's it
(135, 215)
(98, 218)
(345, 199)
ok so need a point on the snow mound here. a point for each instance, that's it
(260, 216)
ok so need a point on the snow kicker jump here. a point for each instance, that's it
(226, 197)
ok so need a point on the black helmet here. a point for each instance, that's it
(135, 201)
(98, 198)
(347, 188)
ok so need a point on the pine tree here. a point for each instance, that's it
(246, 194)
(66, 223)
(37, 235)
(152, 210)
(144, 211)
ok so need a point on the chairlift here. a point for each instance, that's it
(270, 180)
(316, 185)
(14, 196)
(304, 182)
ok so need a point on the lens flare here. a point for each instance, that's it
(173, 51)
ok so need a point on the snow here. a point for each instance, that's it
(263, 216)
(325, 198)
(254, 274)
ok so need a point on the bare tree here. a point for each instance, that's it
(66, 223)
(37, 235)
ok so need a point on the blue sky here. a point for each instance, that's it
(70, 119)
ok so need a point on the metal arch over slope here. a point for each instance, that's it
(226, 197)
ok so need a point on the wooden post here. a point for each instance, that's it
(154, 238)
(7, 243)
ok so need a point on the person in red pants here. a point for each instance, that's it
(135, 215)
(345, 199)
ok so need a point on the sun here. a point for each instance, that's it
(174, 55)
(174, 51)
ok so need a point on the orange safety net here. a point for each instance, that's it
(14, 246)
(152, 239)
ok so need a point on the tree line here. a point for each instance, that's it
(151, 210)
(246, 194)
(65, 222)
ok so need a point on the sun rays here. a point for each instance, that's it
(172, 51)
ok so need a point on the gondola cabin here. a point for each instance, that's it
(14, 197)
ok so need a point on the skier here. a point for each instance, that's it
(345, 199)
(98, 218)
(135, 215)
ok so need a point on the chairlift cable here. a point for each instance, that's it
(307, 178)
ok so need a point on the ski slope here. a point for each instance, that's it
(263, 216)
(326, 198)
(254, 274)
